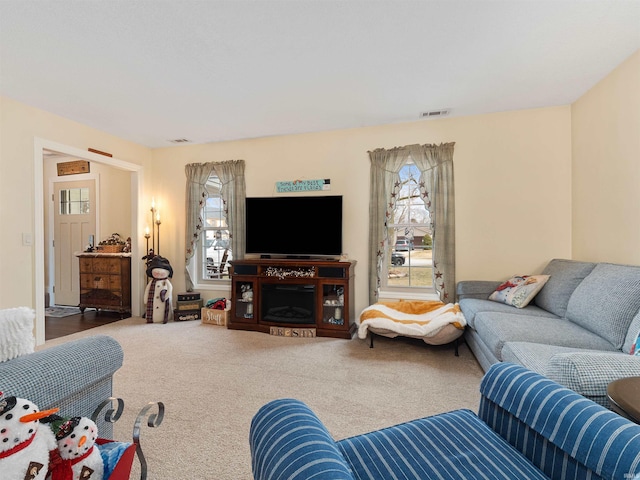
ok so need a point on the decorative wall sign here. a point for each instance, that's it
(303, 185)
(292, 332)
(73, 168)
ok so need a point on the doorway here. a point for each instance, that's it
(137, 271)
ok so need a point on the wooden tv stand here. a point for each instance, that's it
(294, 295)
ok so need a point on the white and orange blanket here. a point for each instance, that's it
(435, 322)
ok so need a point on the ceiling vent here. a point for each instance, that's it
(434, 114)
(180, 140)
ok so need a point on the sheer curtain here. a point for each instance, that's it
(231, 175)
(435, 163)
(385, 165)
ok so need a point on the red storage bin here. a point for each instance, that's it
(122, 469)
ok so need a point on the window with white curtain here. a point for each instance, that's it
(214, 247)
(408, 254)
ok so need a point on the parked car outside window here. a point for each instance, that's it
(403, 245)
(397, 259)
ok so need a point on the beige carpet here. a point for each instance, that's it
(213, 380)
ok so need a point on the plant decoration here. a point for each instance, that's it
(114, 239)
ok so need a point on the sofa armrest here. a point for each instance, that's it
(589, 373)
(557, 429)
(288, 440)
(476, 289)
(75, 376)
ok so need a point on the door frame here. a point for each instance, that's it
(49, 245)
(39, 145)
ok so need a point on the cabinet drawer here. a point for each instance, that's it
(107, 265)
(86, 265)
(101, 265)
(100, 281)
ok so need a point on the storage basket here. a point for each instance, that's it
(214, 316)
(111, 248)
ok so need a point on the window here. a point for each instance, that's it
(408, 252)
(214, 246)
(214, 220)
(74, 201)
(403, 181)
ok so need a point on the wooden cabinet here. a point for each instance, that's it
(293, 294)
(105, 282)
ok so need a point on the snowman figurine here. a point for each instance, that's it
(80, 459)
(25, 442)
(159, 291)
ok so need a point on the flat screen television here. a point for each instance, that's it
(295, 227)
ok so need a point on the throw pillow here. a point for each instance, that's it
(519, 290)
(16, 332)
(635, 348)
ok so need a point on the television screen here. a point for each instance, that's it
(295, 226)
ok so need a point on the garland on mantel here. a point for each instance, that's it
(282, 273)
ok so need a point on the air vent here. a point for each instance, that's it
(180, 140)
(434, 114)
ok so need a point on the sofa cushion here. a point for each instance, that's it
(587, 372)
(470, 307)
(519, 290)
(565, 276)
(606, 301)
(451, 445)
(495, 329)
(534, 356)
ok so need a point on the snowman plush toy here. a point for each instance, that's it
(79, 458)
(159, 291)
(25, 442)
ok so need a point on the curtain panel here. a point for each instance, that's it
(233, 193)
(435, 163)
(384, 179)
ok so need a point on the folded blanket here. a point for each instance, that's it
(411, 318)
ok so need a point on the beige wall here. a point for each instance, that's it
(513, 183)
(20, 125)
(606, 168)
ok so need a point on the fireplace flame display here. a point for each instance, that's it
(288, 304)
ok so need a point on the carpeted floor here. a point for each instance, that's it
(213, 380)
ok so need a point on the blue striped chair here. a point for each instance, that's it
(528, 427)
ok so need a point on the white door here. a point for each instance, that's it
(74, 219)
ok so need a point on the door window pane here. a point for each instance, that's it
(74, 201)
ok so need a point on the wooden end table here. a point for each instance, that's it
(624, 395)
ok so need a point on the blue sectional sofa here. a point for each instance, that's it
(75, 377)
(579, 330)
(527, 427)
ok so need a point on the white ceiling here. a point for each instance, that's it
(153, 71)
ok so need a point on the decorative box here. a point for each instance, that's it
(184, 315)
(189, 304)
(187, 296)
(213, 316)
